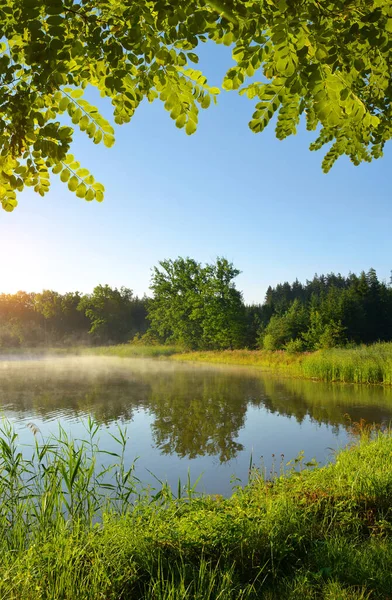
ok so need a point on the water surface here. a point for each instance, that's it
(180, 416)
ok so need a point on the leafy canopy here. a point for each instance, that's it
(328, 60)
(197, 306)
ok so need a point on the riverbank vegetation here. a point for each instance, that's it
(73, 529)
(130, 350)
(361, 364)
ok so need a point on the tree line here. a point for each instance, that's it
(199, 307)
(327, 311)
(105, 316)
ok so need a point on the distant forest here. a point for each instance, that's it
(199, 308)
(50, 319)
(330, 310)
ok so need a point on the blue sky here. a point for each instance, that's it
(264, 204)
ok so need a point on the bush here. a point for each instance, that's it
(269, 342)
(148, 339)
(294, 346)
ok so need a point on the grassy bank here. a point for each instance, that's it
(120, 350)
(321, 533)
(363, 364)
(130, 350)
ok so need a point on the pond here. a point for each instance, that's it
(210, 420)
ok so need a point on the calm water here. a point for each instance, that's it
(210, 419)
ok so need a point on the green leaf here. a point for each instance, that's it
(90, 195)
(9, 204)
(91, 129)
(77, 93)
(98, 136)
(73, 183)
(84, 123)
(64, 103)
(104, 124)
(108, 140)
(65, 175)
(193, 57)
(81, 190)
(205, 103)
(77, 115)
(190, 127)
(82, 173)
(181, 120)
(57, 168)
(228, 38)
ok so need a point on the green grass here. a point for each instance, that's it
(70, 530)
(120, 350)
(131, 350)
(363, 364)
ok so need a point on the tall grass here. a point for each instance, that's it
(71, 529)
(362, 364)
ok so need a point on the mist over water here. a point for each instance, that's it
(210, 419)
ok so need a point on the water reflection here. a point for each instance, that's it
(195, 410)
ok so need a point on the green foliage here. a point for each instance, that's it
(115, 315)
(74, 530)
(197, 306)
(50, 318)
(332, 336)
(147, 339)
(328, 311)
(330, 61)
(294, 346)
(322, 334)
(357, 364)
(223, 315)
(132, 349)
(281, 329)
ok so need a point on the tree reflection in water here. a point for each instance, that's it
(197, 410)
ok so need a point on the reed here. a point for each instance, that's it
(360, 364)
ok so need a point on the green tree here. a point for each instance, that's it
(223, 318)
(285, 327)
(330, 61)
(111, 314)
(197, 306)
(75, 322)
(315, 330)
(321, 334)
(175, 311)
